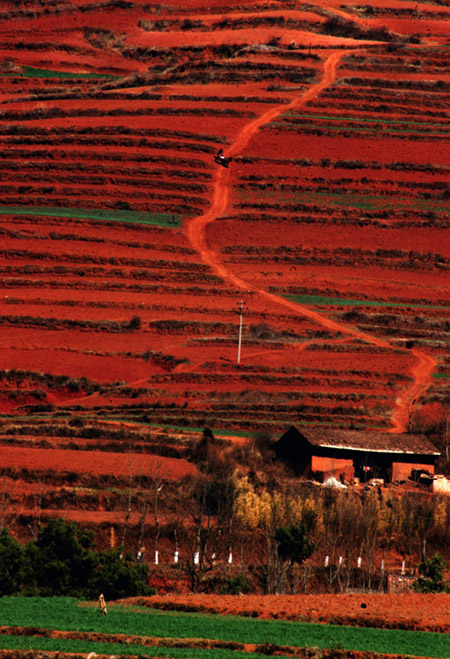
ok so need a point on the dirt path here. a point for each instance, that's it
(197, 236)
(422, 373)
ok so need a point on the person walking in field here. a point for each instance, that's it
(102, 605)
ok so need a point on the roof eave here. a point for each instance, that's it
(377, 450)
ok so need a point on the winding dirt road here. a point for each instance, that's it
(422, 373)
(197, 236)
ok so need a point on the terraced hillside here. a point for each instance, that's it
(126, 250)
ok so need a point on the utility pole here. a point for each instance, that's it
(241, 308)
(446, 433)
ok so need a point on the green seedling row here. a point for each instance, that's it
(69, 614)
(334, 199)
(133, 217)
(345, 302)
(33, 72)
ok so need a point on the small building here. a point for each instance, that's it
(321, 453)
(400, 583)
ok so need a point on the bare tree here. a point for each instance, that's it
(5, 500)
(129, 497)
(212, 495)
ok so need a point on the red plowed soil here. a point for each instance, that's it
(405, 611)
(96, 462)
(331, 223)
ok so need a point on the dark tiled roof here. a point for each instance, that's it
(359, 440)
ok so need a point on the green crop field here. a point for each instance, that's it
(319, 300)
(69, 645)
(348, 200)
(133, 217)
(68, 614)
(33, 72)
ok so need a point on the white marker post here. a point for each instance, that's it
(241, 308)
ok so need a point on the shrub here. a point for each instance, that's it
(432, 580)
(292, 543)
(61, 561)
(135, 323)
(118, 576)
(11, 564)
(238, 585)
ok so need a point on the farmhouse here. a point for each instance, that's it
(347, 454)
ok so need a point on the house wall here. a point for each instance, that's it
(401, 471)
(333, 467)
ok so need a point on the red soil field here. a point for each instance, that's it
(407, 611)
(96, 462)
(270, 142)
(337, 122)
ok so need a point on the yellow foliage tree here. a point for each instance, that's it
(272, 510)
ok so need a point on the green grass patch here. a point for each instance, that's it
(68, 614)
(320, 300)
(218, 432)
(85, 647)
(34, 72)
(125, 216)
(441, 375)
(341, 200)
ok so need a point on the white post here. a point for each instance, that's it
(156, 557)
(403, 566)
(241, 309)
(326, 561)
(340, 561)
(446, 435)
(359, 561)
(382, 564)
(230, 558)
(175, 557)
(196, 558)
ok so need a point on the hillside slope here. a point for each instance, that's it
(126, 250)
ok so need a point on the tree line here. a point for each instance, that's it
(241, 523)
(63, 560)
